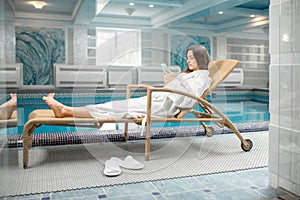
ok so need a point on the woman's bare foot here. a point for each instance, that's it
(51, 95)
(7, 108)
(59, 109)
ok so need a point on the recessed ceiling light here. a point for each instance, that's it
(151, 5)
(252, 15)
(221, 12)
(131, 4)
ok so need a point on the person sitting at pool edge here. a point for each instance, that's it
(194, 79)
(7, 108)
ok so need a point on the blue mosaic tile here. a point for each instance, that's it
(145, 193)
(102, 196)
(129, 190)
(190, 195)
(176, 185)
(268, 192)
(95, 136)
(232, 179)
(260, 174)
(156, 193)
(213, 183)
(142, 196)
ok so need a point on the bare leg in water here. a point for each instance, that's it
(60, 110)
(7, 108)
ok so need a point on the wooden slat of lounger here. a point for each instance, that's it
(46, 117)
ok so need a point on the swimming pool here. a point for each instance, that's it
(239, 106)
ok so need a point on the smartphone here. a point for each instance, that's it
(164, 67)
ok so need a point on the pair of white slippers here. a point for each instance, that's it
(113, 166)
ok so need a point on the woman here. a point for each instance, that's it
(194, 80)
(7, 108)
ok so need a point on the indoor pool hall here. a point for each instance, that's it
(150, 100)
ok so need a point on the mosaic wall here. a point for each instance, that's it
(38, 49)
(179, 44)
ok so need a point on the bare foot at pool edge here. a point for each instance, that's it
(7, 108)
(58, 108)
(13, 100)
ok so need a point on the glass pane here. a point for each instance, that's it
(118, 47)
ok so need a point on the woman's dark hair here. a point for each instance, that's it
(201, 55)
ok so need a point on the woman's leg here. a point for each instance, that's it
(60, 110)
(7, 108)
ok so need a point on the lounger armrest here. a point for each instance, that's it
(154, 89)
(138, 86)
(198, 99)
(129, 87)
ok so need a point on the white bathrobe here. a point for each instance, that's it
(163, 104)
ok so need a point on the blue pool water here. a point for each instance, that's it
(238, 108)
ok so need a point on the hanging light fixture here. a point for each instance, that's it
(129, 11)
(38, 4)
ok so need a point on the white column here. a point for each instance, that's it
(2, 32)
(284, 137)
(80, 45)
(221, 47)
(157, 48)
(10, 43)
(7, 32)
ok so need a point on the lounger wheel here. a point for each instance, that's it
(209, 131)
(248, 147)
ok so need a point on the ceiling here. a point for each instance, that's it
(192, 15)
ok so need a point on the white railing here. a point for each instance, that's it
(153, 74)
(11, 75)
(235, 78)
(120, 76)
(107, 77)
(79, 76)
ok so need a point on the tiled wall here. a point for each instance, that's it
(179, 44)
(284, 137)
(80, 45)
(38, 49)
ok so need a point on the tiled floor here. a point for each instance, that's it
(249, 184)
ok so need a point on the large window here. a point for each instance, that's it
(118, 47)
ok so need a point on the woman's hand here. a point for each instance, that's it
(168, 77)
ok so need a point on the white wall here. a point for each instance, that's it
(253, 54)
(284, 137)
(256, 75)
